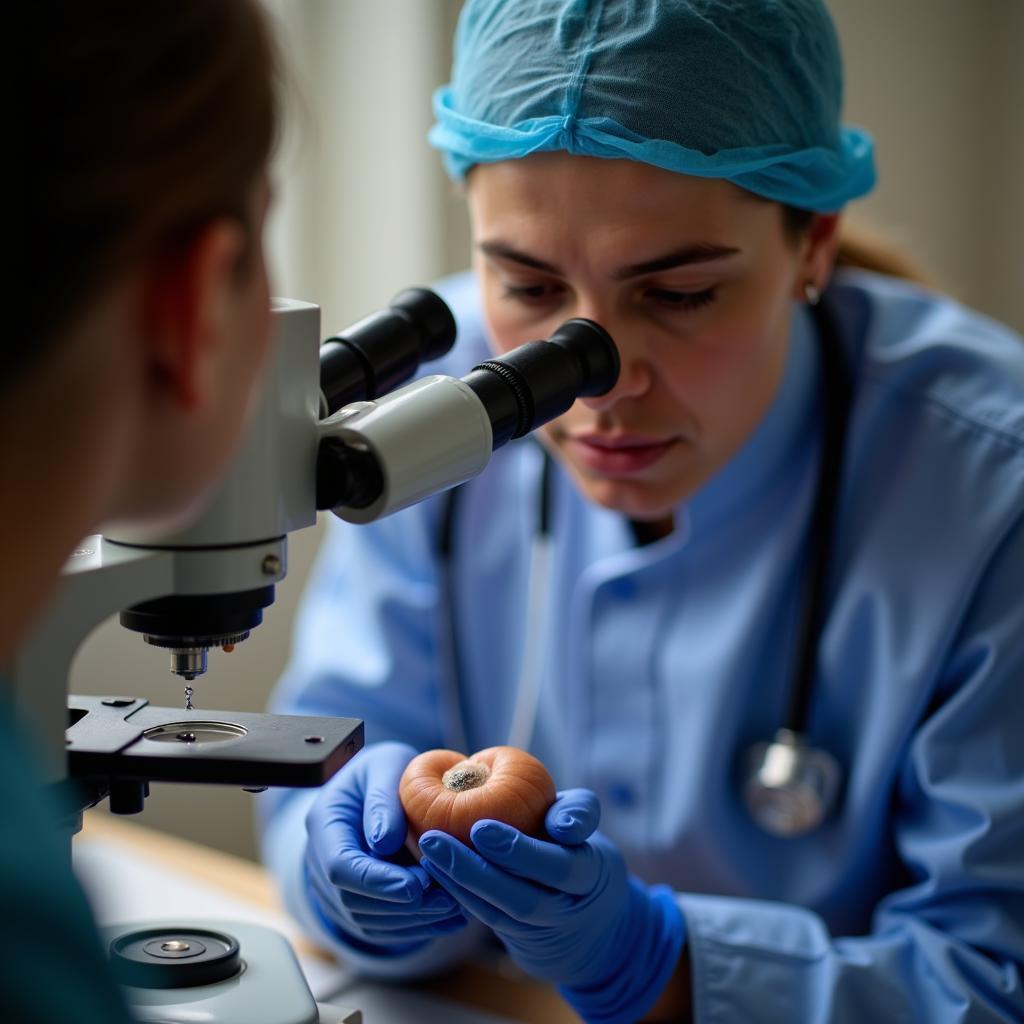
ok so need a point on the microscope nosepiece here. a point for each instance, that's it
(188, 662)
(189, 654)
(189, 625)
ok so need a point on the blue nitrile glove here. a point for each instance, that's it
(570, 914)
(355, 822)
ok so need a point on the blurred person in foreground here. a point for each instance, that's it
(124, 390)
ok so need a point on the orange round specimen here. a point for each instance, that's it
(446, 790)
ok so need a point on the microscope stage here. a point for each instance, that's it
(125, 738)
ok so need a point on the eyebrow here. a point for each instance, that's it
(700, 252)
(503, 251)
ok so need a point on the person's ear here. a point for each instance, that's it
(187, 306)
(818, 253)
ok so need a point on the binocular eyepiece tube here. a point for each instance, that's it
(379, 456)
(377, 354)
(540, 380)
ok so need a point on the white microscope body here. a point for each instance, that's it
(238, 544)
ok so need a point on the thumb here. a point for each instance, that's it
(383, 818)
(573, 817)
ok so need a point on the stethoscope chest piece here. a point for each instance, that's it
(790, 787)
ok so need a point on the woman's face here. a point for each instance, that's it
(693, 278)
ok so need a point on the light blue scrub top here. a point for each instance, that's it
(663, 663)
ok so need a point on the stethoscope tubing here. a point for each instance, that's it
(790, 739)
(836, 414)
(528, 686)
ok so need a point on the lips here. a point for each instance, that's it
(619, 454)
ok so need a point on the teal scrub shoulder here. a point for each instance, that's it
(53, 966)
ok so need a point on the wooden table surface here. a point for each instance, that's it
(500, 990)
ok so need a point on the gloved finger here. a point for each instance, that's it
(336, 901)
(392, 928)
(572, 869)
(519, 899)
(394, 923)
(424, 879)
(574, 816)
(480, 908)
(362, 873)
(346, 866)
(383, 818)
(396, 927)
(336, 826)
(435, 903)
(413, 923)
(415, 933)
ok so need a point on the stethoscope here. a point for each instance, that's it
(789, 786)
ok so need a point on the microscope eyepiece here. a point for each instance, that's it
(593, 346)
(540, 380)
(374, 356)
(432, 318)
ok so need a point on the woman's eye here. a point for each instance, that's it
(681, 300)
(530, 292)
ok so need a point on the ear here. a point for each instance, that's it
(818, 252)
(186, 308)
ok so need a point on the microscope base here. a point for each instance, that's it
(266, 985)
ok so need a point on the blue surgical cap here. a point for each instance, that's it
(746, 90)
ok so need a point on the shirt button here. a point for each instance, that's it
(621, 794)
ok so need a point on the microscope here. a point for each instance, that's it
(338, 426)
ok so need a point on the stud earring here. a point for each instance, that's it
(811, 293)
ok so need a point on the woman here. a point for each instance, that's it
(677, 172)
(125, 391)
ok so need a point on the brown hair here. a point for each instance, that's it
(147, 121)
(863, 247)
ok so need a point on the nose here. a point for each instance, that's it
(636, 375)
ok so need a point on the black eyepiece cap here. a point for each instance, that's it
(593, 347)
(432, 317)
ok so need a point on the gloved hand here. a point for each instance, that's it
(570, 914)
(355, 822)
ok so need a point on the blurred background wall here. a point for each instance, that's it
(363, 209)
